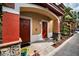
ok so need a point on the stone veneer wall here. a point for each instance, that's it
(11, 50)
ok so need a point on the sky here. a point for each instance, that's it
(75, 6)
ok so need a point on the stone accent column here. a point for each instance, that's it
(11, 45)
(11, 48)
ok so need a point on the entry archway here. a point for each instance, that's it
(47, 13)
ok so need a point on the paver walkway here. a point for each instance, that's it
(70, 48)
(43, 48)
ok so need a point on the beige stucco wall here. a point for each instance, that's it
(36, 22)
(50, 26)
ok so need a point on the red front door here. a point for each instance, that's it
(44, 29)
(25, 30)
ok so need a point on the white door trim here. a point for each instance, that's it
(47, 27)
(26, 17)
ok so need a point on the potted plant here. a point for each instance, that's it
(24, 52)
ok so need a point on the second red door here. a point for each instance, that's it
(44, 29)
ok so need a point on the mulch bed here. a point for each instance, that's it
(59, 42)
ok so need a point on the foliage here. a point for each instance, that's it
(68, 17)
(65, 30)
(78, 15)
(68, 14)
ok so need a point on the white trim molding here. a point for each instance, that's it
(30, 25)
(6, 9)
(47, 27)
(11, 43)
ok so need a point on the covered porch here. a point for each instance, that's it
(44, 24)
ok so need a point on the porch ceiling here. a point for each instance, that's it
(45, 12)
(42, 11)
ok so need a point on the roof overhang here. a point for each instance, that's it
(51, 7)
(42, 11)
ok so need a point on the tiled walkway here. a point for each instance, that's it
(43, 48)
